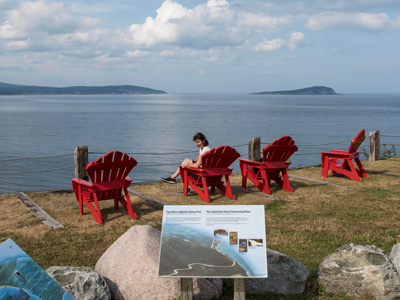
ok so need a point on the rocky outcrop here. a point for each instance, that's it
(130, 268)
(81, 283)
(285, 276)
(360, 270)
(394, 256)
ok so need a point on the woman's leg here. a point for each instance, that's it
(185, 161)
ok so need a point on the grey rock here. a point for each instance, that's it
(394, 256)
(130, 268)
(285, 276)
(82, 283)
(360, 270)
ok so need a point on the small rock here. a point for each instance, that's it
(394, 256)
(285, 276)
(82, 283)
(360, 270)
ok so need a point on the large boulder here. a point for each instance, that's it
(394, 256)
(130, 268)
(82, 283)
(360, 270)
(285, 276)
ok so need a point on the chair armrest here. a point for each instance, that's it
(217, 171)
(82, 182)
(192, 170)
(275, 165)
(340, 151)
(250, 163)
(265, 165)
(336, 154)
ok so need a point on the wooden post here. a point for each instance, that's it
(81, 157)
(374, 145)
(239, 289)
(187, 288)
(255, 148)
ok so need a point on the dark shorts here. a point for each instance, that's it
(194, 176)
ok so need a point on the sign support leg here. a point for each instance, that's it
(187, 288)
(239, 289)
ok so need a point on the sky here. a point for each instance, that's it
(194, 46)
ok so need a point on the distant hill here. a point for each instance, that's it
(14, 89)
(315, 90)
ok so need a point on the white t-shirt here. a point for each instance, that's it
(204, 150)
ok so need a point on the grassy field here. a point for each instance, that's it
(306, 225)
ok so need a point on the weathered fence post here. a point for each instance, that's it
(374, 145)
(81, 157)
(239, 289)
(187, 288)
(255, 148)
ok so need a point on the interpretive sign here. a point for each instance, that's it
(21, 278)
(213, 241)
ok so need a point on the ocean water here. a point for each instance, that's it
(39, 133)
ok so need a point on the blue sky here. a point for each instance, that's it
(184, 46)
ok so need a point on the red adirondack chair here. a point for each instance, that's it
(339, 161)
(109, 176)
(215, 165)
(273, 167)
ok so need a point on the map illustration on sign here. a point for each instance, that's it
(213, 241)
(21, 278)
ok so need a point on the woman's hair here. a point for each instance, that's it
(200, 136)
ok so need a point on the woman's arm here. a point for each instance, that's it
(196, 164)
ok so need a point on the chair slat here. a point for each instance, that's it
(357, 141)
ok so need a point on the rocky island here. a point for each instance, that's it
(15, 89)
(315, 90)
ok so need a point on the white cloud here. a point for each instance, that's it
(161, 29)
(46, 25)
(37, 16)
(17, 45)
(365, 21)
(296, 39)
(205, 26)
(137, 53)
(271, 45)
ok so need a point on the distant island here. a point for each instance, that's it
(15, 89)
(315, 90)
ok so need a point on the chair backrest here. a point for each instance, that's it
(280, 150)
(222, 157)
(113, 166)
(357, 141)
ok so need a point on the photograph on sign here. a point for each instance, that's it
(213, 241)
(22, 278)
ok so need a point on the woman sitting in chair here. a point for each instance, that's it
(201, 142)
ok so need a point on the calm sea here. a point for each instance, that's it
(158, 129)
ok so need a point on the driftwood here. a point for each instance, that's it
(38, 211)
(322, 182)
(147, 198)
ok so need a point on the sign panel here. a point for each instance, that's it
(213, 241)
(22, 278)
